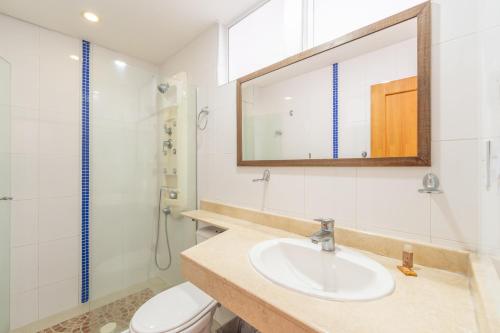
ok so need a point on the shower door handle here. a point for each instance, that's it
(6, 198)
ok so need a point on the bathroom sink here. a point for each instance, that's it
(343, 275)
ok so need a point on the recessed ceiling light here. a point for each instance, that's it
(120, 63)
(74, 57)
(89, 16)
(287, 98)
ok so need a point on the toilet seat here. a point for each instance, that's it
(172, 310)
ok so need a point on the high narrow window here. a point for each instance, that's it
(281, 28)
(267, 35)
(335, 18)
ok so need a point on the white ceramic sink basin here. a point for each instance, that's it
(343, 275)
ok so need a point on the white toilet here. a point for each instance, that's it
(183, 308)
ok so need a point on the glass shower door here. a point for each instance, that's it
(4, 196)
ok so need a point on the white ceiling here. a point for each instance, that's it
(151, 30)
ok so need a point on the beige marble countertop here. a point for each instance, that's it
(435, 301)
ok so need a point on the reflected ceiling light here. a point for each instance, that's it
(89, 16)
(120, 63)
(287, 98)
(74, 57)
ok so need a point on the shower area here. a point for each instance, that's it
(136, 175)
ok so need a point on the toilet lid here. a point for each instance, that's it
(171, 309)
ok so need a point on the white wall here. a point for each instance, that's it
(383, 200)
(45, 213)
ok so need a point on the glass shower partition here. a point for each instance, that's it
(123, 187)
(5, 196)
(127, 172)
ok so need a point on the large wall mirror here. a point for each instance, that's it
(359, 100)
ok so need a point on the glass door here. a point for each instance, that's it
(5, 196)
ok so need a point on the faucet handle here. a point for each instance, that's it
(327, 223)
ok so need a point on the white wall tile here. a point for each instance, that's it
(58, 218)
(225, 116)
(23, 308)
(331, 192)
(455, 89)
(59, 138)
(24, 222)
(401, 234)
(452, 19)
(58, 176)
(489, 49)
(5, 119)
(488, 13)
(67, 297)
(59, 74)
(24, 268)
(454, 244)
(388, 198)
(22, 112)
(23, 38)
(24, 135)
(25, 81)
(58, 260)
(203, 176)
(285, 190)
(455, 213)
(234, 185)
(24, 176)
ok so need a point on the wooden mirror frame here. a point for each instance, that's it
(423, 158)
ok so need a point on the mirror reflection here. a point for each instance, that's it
(358, 100)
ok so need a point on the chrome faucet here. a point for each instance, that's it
(266, 176)
(326, 236)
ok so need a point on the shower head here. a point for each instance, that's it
(163, 87)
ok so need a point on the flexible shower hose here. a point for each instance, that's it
(166, 212)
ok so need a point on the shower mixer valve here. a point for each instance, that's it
(167, 144)
(168, 130)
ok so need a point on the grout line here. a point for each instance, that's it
(37, 315)
(59, 281)
(455, 140)
(467, 35)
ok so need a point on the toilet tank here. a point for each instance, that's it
(204, 233)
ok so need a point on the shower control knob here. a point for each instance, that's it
(168, 130)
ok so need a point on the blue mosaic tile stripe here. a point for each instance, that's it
(335, 110)
(85, 168)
